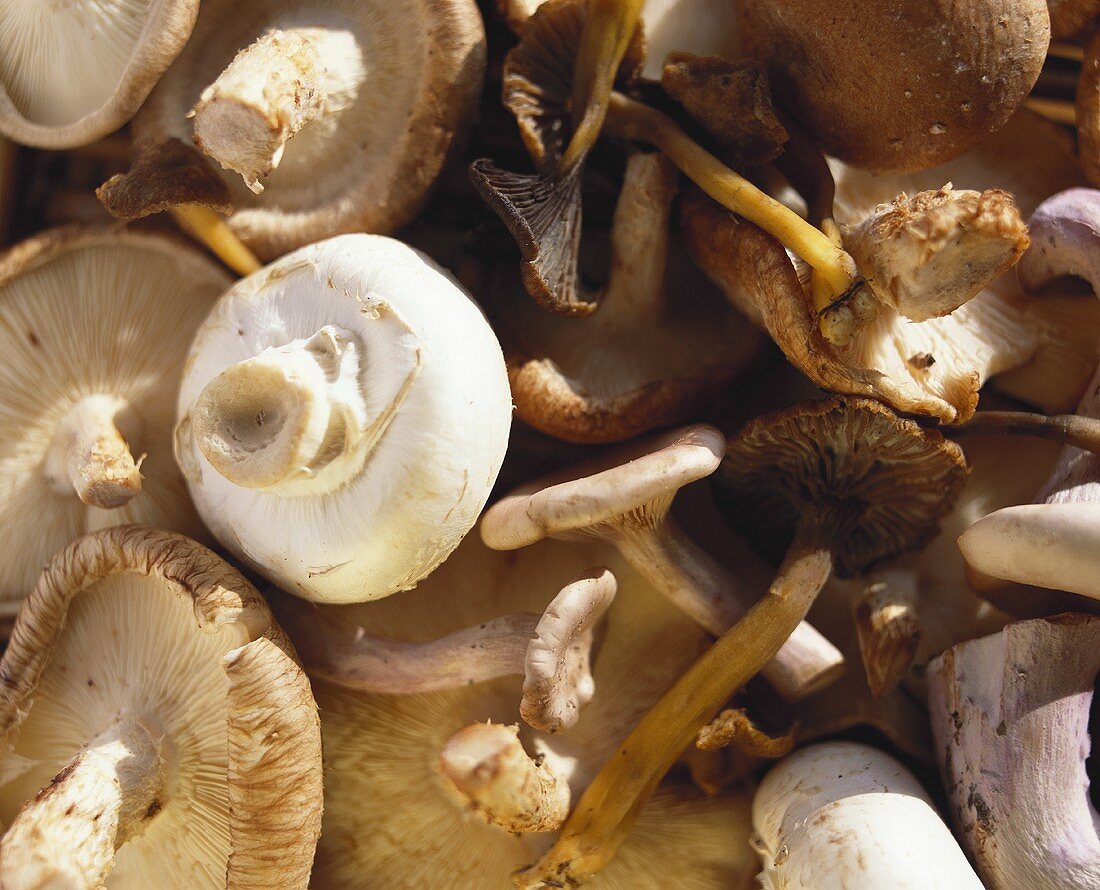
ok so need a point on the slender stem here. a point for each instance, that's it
(487, 766)
(608, 27)
(607, 810)
(1072, 429)
(208, 228)
(888, 629)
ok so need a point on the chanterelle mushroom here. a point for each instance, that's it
(840, 815)
(346, 112)
(73, 72)
(1010, 713)
(343, 417)
(96, 325)
(157, 728)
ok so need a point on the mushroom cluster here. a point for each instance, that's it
(642, 443)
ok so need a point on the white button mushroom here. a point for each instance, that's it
(343, 417)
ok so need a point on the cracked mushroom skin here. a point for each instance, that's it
(378, 746)
(96, 326)
(839, 815)
(1010, 713)
(157, 728)
(343, 115)
(71, 73)
(342, 418)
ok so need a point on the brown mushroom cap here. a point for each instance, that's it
(1067, 17)
(957, 72)
(163, 176)
(882, 482)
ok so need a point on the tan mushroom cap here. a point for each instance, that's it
(137, 625)
(364, 167)
(73, 72)
(96, 327)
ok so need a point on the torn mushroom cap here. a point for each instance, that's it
(964, 70)
(343, 417)
(1010, 713)
(840, 814)
(378, 94)
(70, 74)
(656, 351)
(97, 325)
(378, 746)
(160, 710)
(934, 367)
(625, 498)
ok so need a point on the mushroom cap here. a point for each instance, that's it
(131, 620)
(434, 385)
(86, 312)
(1067, 17)
(369, 166)
(883, 481)
(639, 481)
(959, 72)
(101, 61)
(378, 747)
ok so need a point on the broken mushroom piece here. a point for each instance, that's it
(343, 417)
(342, 115)
(625, 499)
(658, 348)
(1010, 713)
(96, 325)
(157, 728)
(839, 815)
(72, 73)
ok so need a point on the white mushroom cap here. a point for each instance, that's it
(96, 325)
(343, 417)
(142, 640)
(73, 72)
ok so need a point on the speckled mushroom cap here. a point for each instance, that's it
(880, 483)
(73, 72)
(135, 624)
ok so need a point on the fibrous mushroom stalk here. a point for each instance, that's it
(67, 835)
(90, 452)
(888, 629)
(270, 91)
(487, 766)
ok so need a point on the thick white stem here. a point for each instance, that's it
(888, 628)
(68, 834)
(91, 455)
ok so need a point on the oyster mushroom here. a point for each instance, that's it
(74, 72)
(857, 484)
(1010, 713)
(840, 815)
(962, 71)
(291, 101)
(96, 329)
(378, 747)
(157, 728)
(625, 499)
(343, 417)
(646, 358)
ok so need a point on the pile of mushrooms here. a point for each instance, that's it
(643, 443)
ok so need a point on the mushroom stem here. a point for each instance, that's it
(210, 229)
(605, 813)
(68, 833)
(888, 629)
(486, 764)
(709, 595)
(1072, 429)
(270, 91)
(735, 727)
(90, 453)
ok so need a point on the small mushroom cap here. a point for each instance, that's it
(134, 621)
(92, 312)
(72, 73)
(642, 477)
(882, 482)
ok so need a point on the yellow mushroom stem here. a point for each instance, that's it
(486, 765)
(608, 27)
(628, 119)
(1071, 429)
(606, 811)
(210, 229)
(67, 834)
